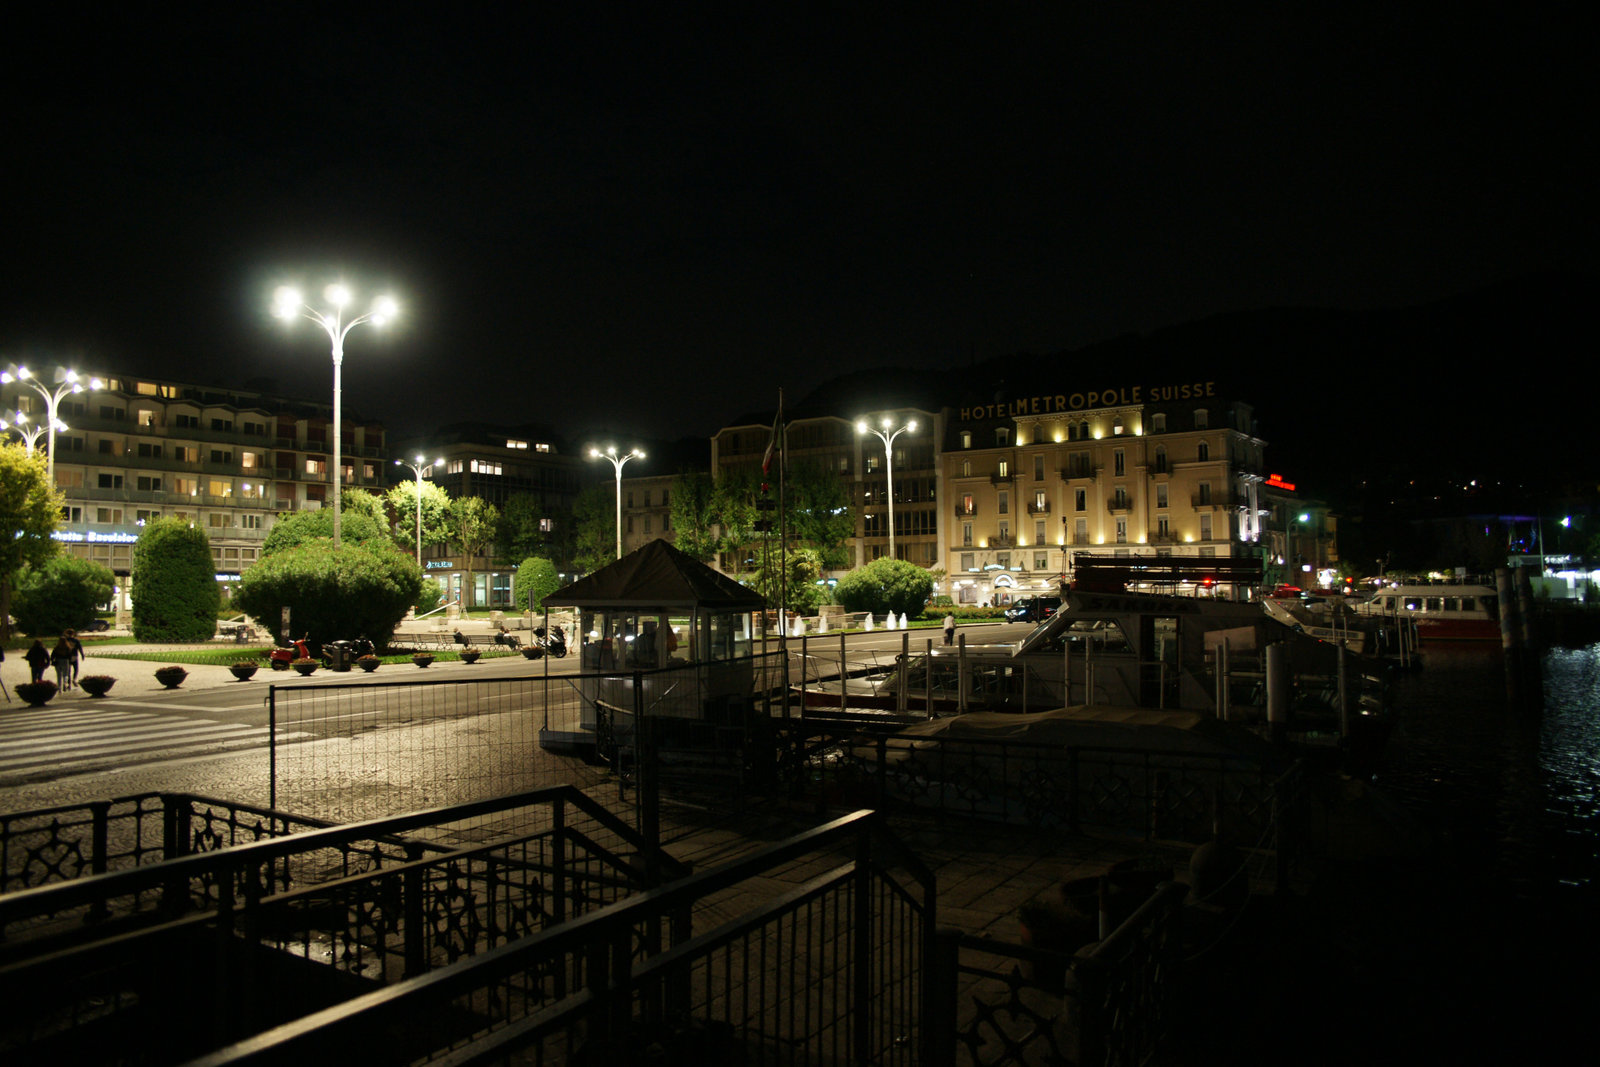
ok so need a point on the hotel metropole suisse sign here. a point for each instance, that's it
(1118, 396)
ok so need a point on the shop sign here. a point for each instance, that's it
(1091, 398)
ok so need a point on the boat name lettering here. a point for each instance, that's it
(1091, 398)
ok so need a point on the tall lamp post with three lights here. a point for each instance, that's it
(423, 469)
(618, 462)
(286, 304)
(66, 382)
(885, 432)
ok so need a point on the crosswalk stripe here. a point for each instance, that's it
(67, 738)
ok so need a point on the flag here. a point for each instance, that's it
(772, 445)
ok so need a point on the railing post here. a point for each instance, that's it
(939, 998)
(415, 935)
(905, 662)
(861, 949)
(101, 810)
(272, 747)
(927, 681)
(645, 757)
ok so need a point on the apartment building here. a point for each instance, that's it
(228, 460)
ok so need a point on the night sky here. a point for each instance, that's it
(654, 221)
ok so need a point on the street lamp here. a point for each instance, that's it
(423, 470)
(66, 381)
(618, 462)
(30, 434)
(286, 304)
(887, 436)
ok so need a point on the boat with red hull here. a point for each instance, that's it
(1442, 612)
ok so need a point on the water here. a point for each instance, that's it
(1464, 928)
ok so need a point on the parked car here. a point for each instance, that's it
(1033, 609)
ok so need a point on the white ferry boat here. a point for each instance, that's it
(1442, 612)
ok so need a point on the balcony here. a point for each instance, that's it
(964, 511)
(1002, 542)
(1119, 504)
(1036, 508)
(999, 478)
(1081, 472)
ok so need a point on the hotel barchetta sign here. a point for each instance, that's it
(1087, 400)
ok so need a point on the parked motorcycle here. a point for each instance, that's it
(345, 651)
(553, 643)
(280, 658)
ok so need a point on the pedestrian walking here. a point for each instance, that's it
(61, 660)
(38, 657)
(71, 638)
(949, 628)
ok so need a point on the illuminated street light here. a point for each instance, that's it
(66, 381)
(30, 434)
(887, 436)
(618, 462)
(286, 304)
(423, 469)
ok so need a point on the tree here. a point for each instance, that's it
(886, 585)
(362, 588)
(29, 512)
(303, 527)
(473, 524)
(174, 583)
(818, 513)
(694, 516)
(360, 502)
(522, 531)
(797, 588)
(435, 514)
(594, 528)
(61, 593)
(536, 579)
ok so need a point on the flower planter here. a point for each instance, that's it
(305, 666)
(532, 652)
(243, 671)
(36, 694)
(97, 685)
(422, 659)
(368, 663)
(470, 655)
(171, 677)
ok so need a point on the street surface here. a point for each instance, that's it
(210, 735)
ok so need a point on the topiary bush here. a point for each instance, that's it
(362, 588)
(886, 585)
(174, 583)
(536, 578)
(60, 594)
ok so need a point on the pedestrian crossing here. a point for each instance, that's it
(75, 738)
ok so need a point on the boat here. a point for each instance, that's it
(1464, 611)
(1325, 620)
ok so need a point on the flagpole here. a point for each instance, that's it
(782, 441)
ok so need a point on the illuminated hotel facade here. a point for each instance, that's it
(1139, 471)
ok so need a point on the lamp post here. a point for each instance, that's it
(286, 304)
(423, 470)
(30, 434)
(888, 435)
(618, 462)
(66, 381)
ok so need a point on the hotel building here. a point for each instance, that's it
(1150, 471)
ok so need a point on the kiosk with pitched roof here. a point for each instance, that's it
(659, 634)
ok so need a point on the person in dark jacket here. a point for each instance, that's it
(71, 638)
(61, 660)
(38, 657)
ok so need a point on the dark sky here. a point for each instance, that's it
(655, 221)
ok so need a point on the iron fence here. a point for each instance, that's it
(47, 845)
(258, 957)
(825, 968)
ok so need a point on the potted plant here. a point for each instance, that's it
(244, 670)
(37, 694)
(97, 685)
(368, 663)
(531, 651)
(470, 654)
(422, 659)
(171, 676)
(305, 665)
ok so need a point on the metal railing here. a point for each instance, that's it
(49, 845)
(829, 970)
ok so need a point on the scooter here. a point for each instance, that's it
(280, 658)
(554, 643)
(352, 651)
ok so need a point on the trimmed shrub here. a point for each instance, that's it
(886, 585)
(362, 589)
(536, 579)
(60, 594)
(174, 583)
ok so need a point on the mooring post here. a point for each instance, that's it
(1277, 690)
(1510, 633)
